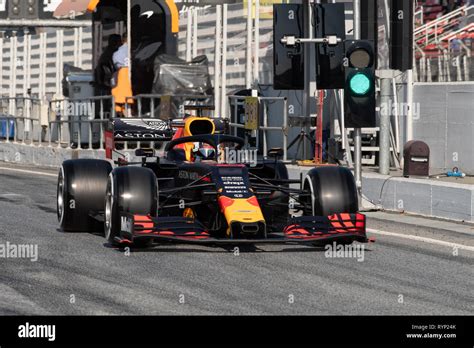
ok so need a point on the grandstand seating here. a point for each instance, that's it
(446, 35)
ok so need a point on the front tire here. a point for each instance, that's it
(132, 190)
(332, 190)
(80, 191)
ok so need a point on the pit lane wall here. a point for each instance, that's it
(444, 120)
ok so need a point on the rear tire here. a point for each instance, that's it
(332, 191)
(80, 191)
(132, 190)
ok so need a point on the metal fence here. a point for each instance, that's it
(80, 122)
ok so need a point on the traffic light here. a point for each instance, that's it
(23, 9)
(329, 20)
(359, 89)
(288, 62)
(401, 34)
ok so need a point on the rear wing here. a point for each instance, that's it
(135, 130)
(141, 129)
(148, 130)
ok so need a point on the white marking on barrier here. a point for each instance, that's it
(29, 172)
(422, 239)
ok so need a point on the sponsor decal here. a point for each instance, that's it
(182, 174)
(124, 135)
(235, 186)
(153, 124)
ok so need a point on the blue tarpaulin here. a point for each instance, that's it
(3, 128)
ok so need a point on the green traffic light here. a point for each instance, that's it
(359, 84)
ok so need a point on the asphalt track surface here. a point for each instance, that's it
(78, 273)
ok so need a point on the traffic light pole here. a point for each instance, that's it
(357, 131)
(385, 114)
(310, 76)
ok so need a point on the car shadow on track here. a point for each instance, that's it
(246, 249)
(220, 249)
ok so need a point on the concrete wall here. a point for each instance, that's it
(446, 123)
(425, 197)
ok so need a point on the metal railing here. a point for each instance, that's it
(166, 107)
(17, 116)
(81, 116)
(237, 101)
(175, 106)
(429, 32)
(441, 53)
(80, 123)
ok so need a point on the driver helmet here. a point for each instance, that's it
(203, 151)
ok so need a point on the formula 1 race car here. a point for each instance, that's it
(189, 194)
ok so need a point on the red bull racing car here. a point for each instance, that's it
(189, 195)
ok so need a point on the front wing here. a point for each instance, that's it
(300, 230)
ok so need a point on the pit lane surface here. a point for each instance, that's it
(77, 273)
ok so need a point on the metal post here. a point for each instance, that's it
(15, 131)
(217, 59)
(409, 121)
(60, 134)
(13, 69)
(76, 47)
(90, 134)
(152, 107)
(248, 67)
(129, 40)
(396, 116)
(256, 44)
(101, 125)
(385, 114)
(265, 124)
(285, 129)
(310, 75)
(7, 135)
(189, 34)
(1, 63)
(235, 120)
(224, 62)
(79, 133)
(195, 32)
(357, 131)
(80, 46)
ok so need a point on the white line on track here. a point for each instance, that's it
(29, 172)
(422, 239)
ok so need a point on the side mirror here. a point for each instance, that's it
(275, 152)
(144, 152)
